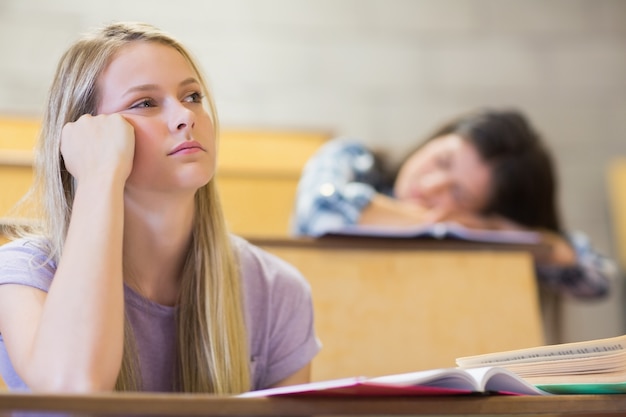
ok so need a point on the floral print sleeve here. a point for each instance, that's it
(591, 278)
(335, 186)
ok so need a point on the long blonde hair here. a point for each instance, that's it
(212, 339)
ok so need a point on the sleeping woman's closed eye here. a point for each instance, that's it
(444, 160)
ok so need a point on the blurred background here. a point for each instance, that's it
(386, 71)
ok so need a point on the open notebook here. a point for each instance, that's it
(443, 381)
(589, 367)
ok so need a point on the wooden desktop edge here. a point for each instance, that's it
(383, 243)
(201, 404)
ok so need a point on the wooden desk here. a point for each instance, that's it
(205, 405)
(389, 306)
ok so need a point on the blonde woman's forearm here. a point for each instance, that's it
(79, 339)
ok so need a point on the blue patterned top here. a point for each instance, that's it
(341, 179)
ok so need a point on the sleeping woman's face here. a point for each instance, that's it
(447, 173)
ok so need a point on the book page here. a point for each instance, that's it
(356, 387)
(502, 381)
(302, 388)
(443, 381)
(604, 364)
(454, 378)
(592, 348)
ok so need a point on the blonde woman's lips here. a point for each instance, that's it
(187, 148)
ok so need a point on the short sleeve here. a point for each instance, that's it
(22, 262)
(25, 262)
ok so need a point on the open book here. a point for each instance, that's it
(444, 381)
(589, 367)
(438, 231)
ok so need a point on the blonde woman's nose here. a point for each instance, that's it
(182, 118)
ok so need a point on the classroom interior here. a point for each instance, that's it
(289, 75)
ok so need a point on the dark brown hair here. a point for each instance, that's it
(524, 187)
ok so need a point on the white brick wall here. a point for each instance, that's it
(387, 71)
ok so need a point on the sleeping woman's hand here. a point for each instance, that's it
(477, 221)
(560, 251)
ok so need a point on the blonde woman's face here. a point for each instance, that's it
(157, 91)
(446, 173)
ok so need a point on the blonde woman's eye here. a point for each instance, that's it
(145, 103)
(194, 98)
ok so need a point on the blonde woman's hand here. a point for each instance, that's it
(99, 147)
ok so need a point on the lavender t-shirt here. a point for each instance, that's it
(277, 303)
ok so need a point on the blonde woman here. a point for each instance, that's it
(133, 281)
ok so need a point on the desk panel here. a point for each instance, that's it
(380, 311)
